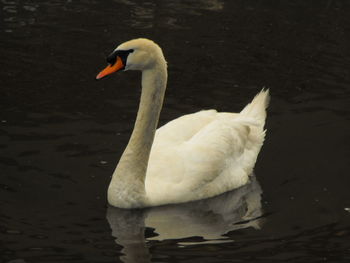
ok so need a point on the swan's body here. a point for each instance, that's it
(193, 157)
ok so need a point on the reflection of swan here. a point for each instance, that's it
(193, 157)
(210, 219)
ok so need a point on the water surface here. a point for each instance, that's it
(62, 133)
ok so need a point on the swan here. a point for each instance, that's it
(193, 157)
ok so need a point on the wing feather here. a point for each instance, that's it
(205, 156)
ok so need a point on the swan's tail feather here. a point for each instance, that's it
(257, 108)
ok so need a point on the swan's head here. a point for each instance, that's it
(136, 54)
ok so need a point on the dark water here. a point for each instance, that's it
(62, 133)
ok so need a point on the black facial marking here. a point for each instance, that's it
(123, 54)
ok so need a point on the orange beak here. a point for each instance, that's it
(118, 65)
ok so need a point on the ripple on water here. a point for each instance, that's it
(17, 261)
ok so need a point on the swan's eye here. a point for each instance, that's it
(123, 54)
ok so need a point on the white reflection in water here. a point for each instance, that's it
(209, 219)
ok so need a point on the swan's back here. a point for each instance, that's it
(183, 128)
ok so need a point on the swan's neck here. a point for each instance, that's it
(152, 95)
(128, 182)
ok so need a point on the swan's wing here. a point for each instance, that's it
(211, 157)
(215, 157)
(212, 161)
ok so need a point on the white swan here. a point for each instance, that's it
(193, 157)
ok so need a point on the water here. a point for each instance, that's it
(62, 133)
